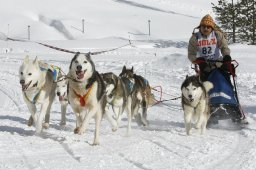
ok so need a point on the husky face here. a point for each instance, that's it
(29, 73)
(110, 80)
(127, 73)
(81, 67)
(61, 89)
(192, 89)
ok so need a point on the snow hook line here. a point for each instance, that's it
(5, 38)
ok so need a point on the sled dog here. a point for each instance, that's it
(61, 91)
(195, 102)
(139, 96)
(116, 94)
(86, 94)
(38, 87)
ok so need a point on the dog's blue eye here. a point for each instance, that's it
(29, 74)
(76, 61)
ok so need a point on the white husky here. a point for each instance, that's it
(61, 91)
(195, 102)
(87, 94)
(37, 88)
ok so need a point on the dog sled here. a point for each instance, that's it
(223, 98)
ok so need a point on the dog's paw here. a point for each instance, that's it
(114, 129)
(145, 123)
(95, 144)
(62, 123)
(76, 130)
(45, 125)
(30, 121)
(197, 126)
(188, 132)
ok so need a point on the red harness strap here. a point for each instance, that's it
(83, 98)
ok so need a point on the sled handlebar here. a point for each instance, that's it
(232, 65)
(234, 62)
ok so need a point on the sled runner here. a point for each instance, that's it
(223, 98)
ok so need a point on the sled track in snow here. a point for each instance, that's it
(10, 97)
(233, 160)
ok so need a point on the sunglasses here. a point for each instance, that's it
(206, 27)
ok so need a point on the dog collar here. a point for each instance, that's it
(83, 98)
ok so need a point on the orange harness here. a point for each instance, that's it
(84, 97)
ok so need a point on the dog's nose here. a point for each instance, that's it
(22, 82)
(79, 68)
(58, 93)
(190, 96)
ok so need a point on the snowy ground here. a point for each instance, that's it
(162, 145)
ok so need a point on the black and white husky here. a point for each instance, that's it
(139, 96)
(38, 87)
(86, 94)
(195, 102)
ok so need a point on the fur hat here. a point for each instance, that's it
(207, 21)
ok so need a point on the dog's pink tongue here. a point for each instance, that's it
(61, 98)
(80, 75)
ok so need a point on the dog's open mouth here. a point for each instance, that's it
(25, 86)
(62, 97)
(80, 74)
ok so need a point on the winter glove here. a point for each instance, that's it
(203, 66)
(226, 63)
(226, 58)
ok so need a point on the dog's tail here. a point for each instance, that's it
(207, 85)
(150, 98)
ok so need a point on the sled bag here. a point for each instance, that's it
(222, 92)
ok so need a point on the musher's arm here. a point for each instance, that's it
(192, 48)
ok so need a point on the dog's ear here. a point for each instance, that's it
(124, 68)
(26, 59)
(186, 76)
(35, 62)
(88, 56)
(132, 69)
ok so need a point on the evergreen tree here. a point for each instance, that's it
(227, 17)
(247, 15)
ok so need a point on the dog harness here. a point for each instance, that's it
(34, 99)
(36, 95)
(83, 98)
(52, 68)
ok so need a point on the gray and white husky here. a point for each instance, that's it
(62, 93)
(116, 94)
(195, 102)
(38, 87)
(139, 96)
(87, 94)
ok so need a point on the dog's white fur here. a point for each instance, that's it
(81, 71)
(195, 103)
(61, 91)
(37, 88)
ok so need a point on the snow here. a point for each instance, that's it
(161, 58)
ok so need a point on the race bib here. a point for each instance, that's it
(207, 47)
